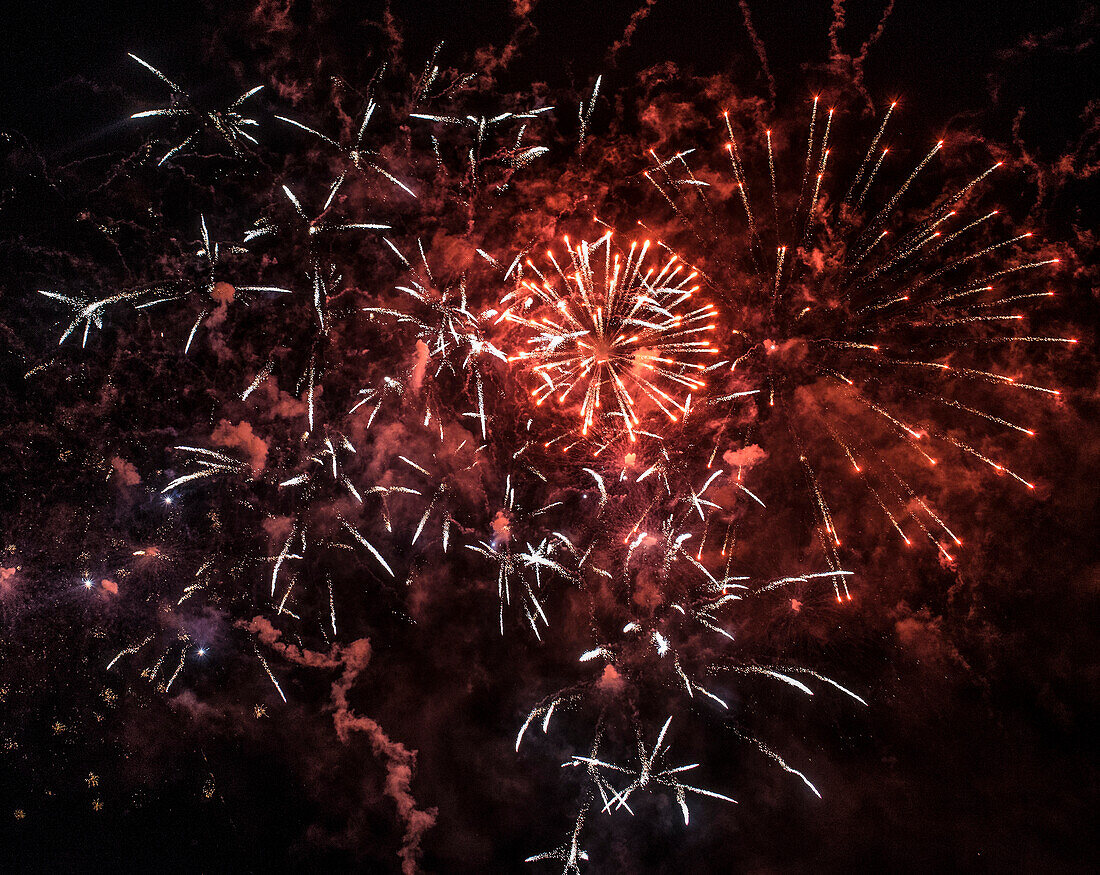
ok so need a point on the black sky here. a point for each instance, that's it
(978, 752)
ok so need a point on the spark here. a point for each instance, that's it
(355, 153)
(649, 776)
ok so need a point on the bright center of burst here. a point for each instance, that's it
(602, 350)
(615, 331)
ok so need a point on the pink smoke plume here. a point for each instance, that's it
(400, 762)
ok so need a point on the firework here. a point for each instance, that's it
(479, 157)
(446, 330)
(89, 310)
(228, 124)
(664, 626)
(614, 332)
(864, 318)
(356, 154)
(212, 290)
(647, 775)
(848, 320)
(570, 853)
(521, 567)
(300, 226)
(209, 463)
(323, 498)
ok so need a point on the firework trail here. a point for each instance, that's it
(863, 318)
(229, 125)
(445, 330)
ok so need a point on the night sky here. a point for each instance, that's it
(301, 660)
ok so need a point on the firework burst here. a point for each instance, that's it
(447, 334)
(616, 333)
(228, 124)
(868, 325)
(522, 567)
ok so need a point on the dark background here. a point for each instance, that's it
(979, 751)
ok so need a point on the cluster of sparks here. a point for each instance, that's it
(229, 125)
(876, 302)
(659, 646)
(610, 334)
(623, 343)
